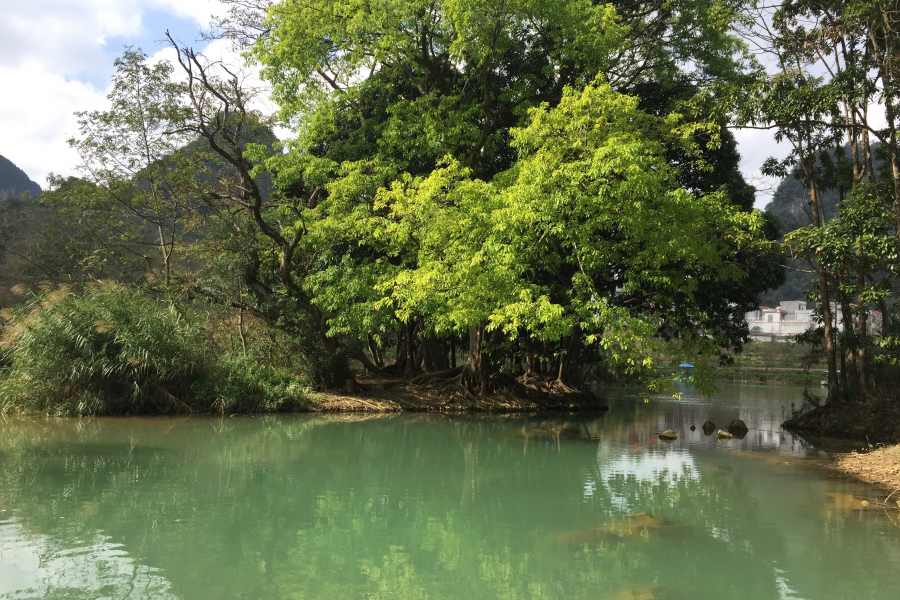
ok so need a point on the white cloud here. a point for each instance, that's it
(198, 10)
(37, 117)
(755, 146)
(56, 58)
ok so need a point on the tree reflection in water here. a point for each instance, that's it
(420, 506)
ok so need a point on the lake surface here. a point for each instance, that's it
(429, 506)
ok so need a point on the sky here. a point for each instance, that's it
(56, 58)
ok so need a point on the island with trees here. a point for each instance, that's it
(478, 205)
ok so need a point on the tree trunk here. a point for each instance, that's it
(808, 165)
(849, 370)
(367, 364)
(570, 357)
(376, 353)
(410, 366)
(863, 338)
(474, 375)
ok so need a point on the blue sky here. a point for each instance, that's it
(150, 39)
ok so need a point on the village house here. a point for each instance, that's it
(788, 318)
(792, 317)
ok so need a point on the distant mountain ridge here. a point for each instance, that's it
(14, 181)
(790, 204)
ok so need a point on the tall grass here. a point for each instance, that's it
(117, 350)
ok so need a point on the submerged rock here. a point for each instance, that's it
(709, 427)
(770, 458)
(637, 594)
(668, 435)
(693, 428)
(738, 429)
(637, 525)
(724, 435)
(845, 503)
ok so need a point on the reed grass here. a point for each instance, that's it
(113, 349)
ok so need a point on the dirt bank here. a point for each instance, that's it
(881, 467)
(854, 421)
(394, 394)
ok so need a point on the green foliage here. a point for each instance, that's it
(140, 171)
(550, 178)
(115, 350)
(241, 384)
(590, 219)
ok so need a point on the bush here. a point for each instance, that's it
(118, 350)
(238, 384)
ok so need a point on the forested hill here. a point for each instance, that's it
(790, 204)
(14, 181)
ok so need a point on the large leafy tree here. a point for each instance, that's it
(589, 238)
(407, 113)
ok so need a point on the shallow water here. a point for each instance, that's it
(425, 506)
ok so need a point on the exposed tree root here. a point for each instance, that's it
(454, 390)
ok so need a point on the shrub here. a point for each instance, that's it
(239, 384)
(117, 350)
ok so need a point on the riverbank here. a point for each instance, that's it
(876, 424)
(784, 375)
(380, 393)
(881, 467)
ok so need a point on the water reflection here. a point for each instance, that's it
(422, 506)
(36, 566)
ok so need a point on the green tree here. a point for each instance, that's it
(588, 239)
(422, 99)
(834, 61)
(138, 174)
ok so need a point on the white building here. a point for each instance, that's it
(789, 318)
(793, 317)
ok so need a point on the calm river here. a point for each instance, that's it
(433, 507)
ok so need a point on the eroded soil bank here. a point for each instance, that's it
(392, 394)
(873, 424)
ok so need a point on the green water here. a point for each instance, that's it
(425, 506)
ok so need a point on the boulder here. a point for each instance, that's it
(668, 435)
(693, 428)
(709, 427)
(724, 435)
(738, 429)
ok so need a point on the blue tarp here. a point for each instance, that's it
(686, 366)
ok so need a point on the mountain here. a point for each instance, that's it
(14, 181)
(790, 204)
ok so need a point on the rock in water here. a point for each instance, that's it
(709, 427)
(693, 428)
(738, 429)
(637, 526)
(845, 503)
(724, 435)
(638, 594)
(668, 435)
